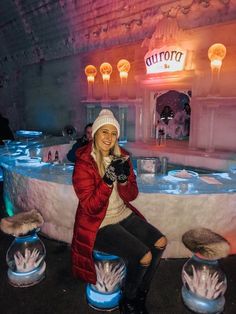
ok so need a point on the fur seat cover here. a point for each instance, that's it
(206, 243)
(21, 223)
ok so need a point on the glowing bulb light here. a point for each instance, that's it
(91, 72)
(123, 67)
(216, 53)
(105, 70)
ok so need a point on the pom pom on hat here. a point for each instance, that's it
(105, 117)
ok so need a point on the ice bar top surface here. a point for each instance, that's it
(15, 157)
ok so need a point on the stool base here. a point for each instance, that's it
(23, 280)
(105, 302)
(202, 305)
(103, 310)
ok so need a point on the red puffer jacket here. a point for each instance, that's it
(93, 194)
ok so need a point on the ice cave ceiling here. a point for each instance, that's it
(36, 30)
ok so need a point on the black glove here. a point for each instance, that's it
(118, 169)
(122, 171)
(123, 177)
(110, 175)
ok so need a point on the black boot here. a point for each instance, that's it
(147, 278)
(128, 306)
(141, 300)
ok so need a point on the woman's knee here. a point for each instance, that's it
(161, 243)
(146, 259)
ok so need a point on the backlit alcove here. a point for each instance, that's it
(173, 111)
(165, 91)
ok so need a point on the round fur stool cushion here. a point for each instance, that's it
(206, 243)
(21, 223)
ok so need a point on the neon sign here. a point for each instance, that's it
(165, 59)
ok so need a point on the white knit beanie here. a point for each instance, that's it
(105, 117)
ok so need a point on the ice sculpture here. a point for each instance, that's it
(106, 293)
(26, 254)
(204, 283)
(28, 261)
(109, 276)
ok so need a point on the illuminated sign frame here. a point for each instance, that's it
(165, 59)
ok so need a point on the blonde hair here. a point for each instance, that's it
(115, 151)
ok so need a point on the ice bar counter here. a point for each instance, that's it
(174, 202)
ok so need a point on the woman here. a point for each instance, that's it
(105, 219)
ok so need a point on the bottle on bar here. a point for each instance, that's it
(49, 156)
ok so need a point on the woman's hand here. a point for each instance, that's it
(124, 172)
(118, 169)
(110, 173)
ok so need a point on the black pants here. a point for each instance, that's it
(131, 239)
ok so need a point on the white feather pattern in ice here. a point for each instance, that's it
(109, 276)
(205, 284)
(28, 262)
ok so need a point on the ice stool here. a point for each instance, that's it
(204, 283)
(106, 293)
(26, 254)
